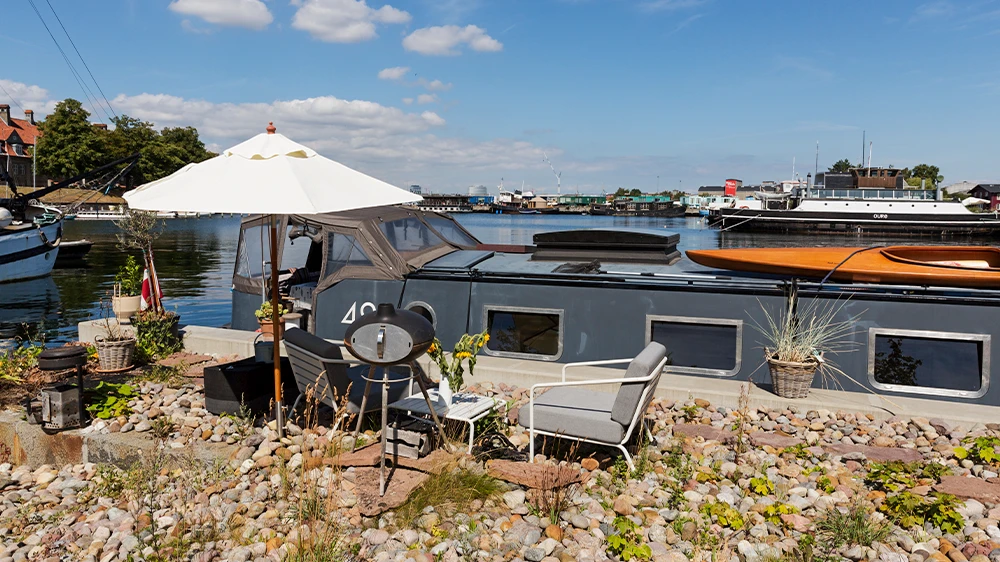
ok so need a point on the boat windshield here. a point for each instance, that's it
(450, 231)
(409, 236)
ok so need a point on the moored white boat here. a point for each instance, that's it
(28, 251)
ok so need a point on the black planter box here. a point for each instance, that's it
(248, 382)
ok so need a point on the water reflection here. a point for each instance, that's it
(27, 307)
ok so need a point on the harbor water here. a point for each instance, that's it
(195, 259)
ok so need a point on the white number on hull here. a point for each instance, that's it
(352, 312)
(881, 216)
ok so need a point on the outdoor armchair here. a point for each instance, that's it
(569, 412)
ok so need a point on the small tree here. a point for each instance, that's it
(841, 166)
(930, 173)
(138, 231)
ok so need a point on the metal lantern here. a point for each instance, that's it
(382, 339)
(389, 336)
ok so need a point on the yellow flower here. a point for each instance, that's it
(486, 338)
(431, 349)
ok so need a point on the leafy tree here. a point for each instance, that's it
(161, 153)
(186, 138)
(69, 144)
(841, 166)
(635, 193)
(931, 173)
(621, 192)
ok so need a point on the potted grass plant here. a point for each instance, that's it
(128, 289)
(800, 342)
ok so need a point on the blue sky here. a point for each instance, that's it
(450, 93)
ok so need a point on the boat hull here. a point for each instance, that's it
(860, 265)
(926, 224)
(25, 255)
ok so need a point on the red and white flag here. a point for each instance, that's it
(147, 291)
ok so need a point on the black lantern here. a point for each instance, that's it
(389, 336)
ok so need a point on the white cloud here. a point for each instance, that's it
(670, 5)
(394, 73)
(435, 85)
(344, 21)
(424, 99)
(444, 40)
(34, 98)
(408, 101)
(252, 14)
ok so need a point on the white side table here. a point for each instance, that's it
(465, 407)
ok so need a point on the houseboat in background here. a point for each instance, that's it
(868, 200)
(595, 294)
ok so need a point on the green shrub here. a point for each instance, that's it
(156, 335)
(724, 514)
(774, 512)
(910, 510)
(983, 450)
(129, 278)
(15, 362)
(625, 542)
(109, 400)
(762, 486)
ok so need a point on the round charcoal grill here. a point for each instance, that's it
(386, 338)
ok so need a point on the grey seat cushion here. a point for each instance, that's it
(574, 412)
(313, 344)
(630, 393)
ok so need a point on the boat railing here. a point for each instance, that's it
(868, 194)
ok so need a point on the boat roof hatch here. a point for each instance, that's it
(620, 245)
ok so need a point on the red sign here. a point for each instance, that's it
(731, 188)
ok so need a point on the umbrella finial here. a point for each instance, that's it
(271, 129)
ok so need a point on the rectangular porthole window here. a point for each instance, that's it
(699, 346)
(927, 362)
(532, 333)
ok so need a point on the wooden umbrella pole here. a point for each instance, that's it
(279, 414)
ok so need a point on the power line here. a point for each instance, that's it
(85, 65)
(76, 75)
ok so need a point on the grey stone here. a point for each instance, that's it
(534, 554)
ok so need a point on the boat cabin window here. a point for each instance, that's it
(450, 231)
(344, 250)
(524, 332)
(703, 346)
(409, 236)
(924, 362)
(254, 251)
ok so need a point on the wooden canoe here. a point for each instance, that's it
(943, 266)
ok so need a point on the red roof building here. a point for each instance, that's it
(17, 143)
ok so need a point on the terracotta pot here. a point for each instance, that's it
(267, 328)
(125, 307)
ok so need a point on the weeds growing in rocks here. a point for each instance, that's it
(450, 491)
(172, 377)
(854, 525)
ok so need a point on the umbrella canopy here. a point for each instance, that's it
(267, 174)
(974, 201)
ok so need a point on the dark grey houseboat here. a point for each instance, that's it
(601, 294)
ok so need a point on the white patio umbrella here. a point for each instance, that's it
(268, 175)
(974, 201)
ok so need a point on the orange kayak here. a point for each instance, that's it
(943, 266)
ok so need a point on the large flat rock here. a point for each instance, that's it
(401, 483)
(707, 432)
(533, 475)
(776, 440)
(880, 454)
(966, 488)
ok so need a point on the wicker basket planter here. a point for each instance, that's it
(792, 379)
(115, 355)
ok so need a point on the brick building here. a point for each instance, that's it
(17, 142)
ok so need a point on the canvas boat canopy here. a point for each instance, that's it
(373, 243)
